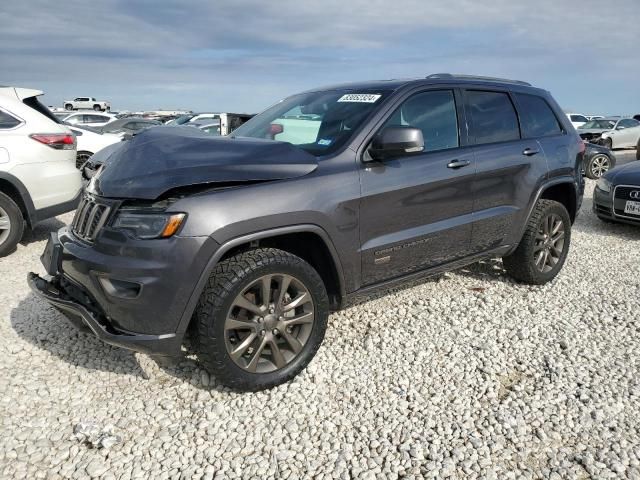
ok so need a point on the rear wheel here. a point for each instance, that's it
(544, 246)
(261, 319)
(81, 157)
(598, 166)
(11, 225)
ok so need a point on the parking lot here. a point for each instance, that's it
(467, 375)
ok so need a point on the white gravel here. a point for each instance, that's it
(467, 376)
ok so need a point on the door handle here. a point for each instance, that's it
(530, 152)
(458, 163)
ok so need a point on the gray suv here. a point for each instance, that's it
(246, 243)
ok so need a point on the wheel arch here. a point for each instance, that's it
(15, 189)
(310, 242)
(562, 190)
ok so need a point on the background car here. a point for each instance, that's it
(624, 134)
(577, 119)
(598, 160)
(88, 119)
(593, 129)
(38, 178)
(616, 197)
(90, 141)
(129, 126)
(211, 128)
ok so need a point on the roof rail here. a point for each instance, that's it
(435, 76)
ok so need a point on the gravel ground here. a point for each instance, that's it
(466, 376)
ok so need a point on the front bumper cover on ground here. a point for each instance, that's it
(85, 320)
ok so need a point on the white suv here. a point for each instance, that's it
(38, 178)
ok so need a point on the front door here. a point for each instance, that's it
(416, 209)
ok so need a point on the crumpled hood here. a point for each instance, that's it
(163, 158)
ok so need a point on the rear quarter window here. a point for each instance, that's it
(536, 117)
(8, 121)
(493, 117)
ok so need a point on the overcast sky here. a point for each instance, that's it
(245, 55)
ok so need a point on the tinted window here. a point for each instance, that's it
(97, 118)
(578, 118)
(34, 103)
(74, 119)
(8, 121)
(493, 118)
(536, 117)
(629, 123)
(434, 113)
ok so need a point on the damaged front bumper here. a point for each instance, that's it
(85, 318)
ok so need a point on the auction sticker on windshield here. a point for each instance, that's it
(360, 97)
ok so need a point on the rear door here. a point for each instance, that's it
(416, 209)
(508, 168)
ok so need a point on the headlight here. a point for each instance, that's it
(603, 184)
(149, 225)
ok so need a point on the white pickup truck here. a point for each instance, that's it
(86, 103)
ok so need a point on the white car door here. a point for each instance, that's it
(627, 133)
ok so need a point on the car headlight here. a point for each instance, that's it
(603, 184)
(149, 225)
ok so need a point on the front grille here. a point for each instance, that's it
(90, 218)
(624, 192)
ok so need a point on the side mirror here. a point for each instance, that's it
(395, 142)
(621, 127)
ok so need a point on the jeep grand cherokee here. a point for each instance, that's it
(248, 242)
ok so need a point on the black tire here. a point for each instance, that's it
(608, 142)
(81, 158)
(521, 264)
(638, 150)
(595, 170)
(227, 281)
(9, 210)
(68, 107)
(97, 108)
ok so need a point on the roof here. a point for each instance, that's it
(435, 78)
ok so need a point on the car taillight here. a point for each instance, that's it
(59, 141)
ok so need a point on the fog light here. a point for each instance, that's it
(120, 288)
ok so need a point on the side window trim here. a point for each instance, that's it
(462, 136)
(475, 88)
(514, 100)
(21, 121)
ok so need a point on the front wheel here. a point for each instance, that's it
(607, 142)
(260, 319)
(68, 107)
(544, 246)
(97, 108)
(598, 166)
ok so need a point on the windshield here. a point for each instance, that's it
(317, 122)
(599, 124)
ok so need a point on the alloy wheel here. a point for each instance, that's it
(81, 158)
(269, 323)
(5, 225)
(600, 165)
(549, 243)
